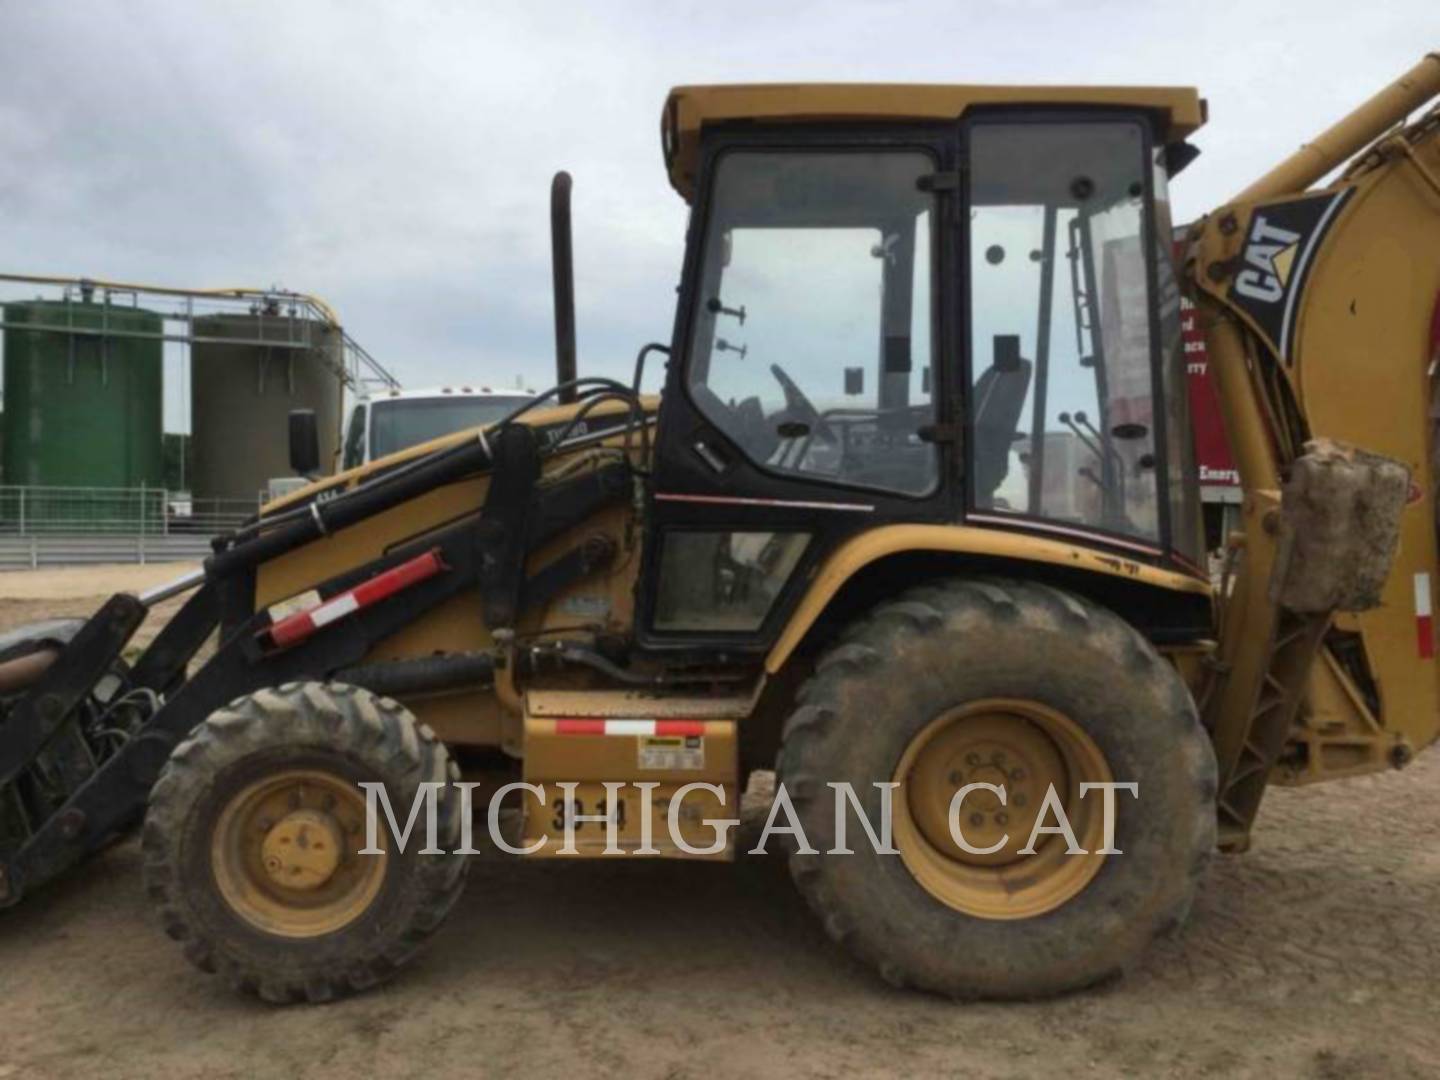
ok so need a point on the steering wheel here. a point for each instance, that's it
(799, 406)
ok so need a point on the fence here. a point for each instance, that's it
(57, 526)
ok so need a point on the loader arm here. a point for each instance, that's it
(61, 798)
(1319, 306)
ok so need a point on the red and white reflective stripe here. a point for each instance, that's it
(296, 628)
(587, 726)
(1424, 619)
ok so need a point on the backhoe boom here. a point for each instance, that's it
(1318, 308)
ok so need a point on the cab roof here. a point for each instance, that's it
(1180, 109)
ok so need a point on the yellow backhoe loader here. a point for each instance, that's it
(914, 521)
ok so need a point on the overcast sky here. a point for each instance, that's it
(394, 158)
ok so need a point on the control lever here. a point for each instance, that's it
(1112, 455)
(721, 345)
(1108, 458)
(1081, 418)
(1066, 419)
(715, 307)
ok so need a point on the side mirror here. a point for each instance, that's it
(854, 381)
(304, 442)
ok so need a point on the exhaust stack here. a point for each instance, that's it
(563, 266)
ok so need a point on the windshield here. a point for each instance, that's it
(811, 341)
(397, 423)
(1062, 401)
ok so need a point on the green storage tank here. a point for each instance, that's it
(83, 405)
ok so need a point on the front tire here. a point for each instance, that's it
(1028, 687)
(252, 837)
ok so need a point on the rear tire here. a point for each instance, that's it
(276, 773)
(993, 652)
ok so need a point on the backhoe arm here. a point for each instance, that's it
(1319, 307)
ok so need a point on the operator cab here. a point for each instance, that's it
(953, 307)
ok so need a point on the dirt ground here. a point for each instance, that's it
(1316, 955)
(32, 595)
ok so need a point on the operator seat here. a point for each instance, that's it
(998, 399)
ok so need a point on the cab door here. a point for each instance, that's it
(809, 396)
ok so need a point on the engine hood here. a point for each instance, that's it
(551, 422)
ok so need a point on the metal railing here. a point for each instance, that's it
(32, 552)
(73, 526)
(92, 511)
(281, 319)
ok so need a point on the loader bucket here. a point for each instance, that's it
(72, 713)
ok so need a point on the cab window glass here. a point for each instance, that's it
(1186, 530)
(811, 341)
(724, 582)
(1062, 401)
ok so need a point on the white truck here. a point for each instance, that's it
(394, 419)
(391, 420)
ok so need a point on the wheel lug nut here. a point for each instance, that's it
(977, 820)
(1002, 818)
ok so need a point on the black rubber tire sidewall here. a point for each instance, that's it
(292, 960)
(894, 676)
(356, 737)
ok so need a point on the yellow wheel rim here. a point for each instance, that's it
(1025, 748)
(285, 854)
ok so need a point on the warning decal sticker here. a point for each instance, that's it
(659, 752)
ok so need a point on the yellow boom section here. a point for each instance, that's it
(1319, 306)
